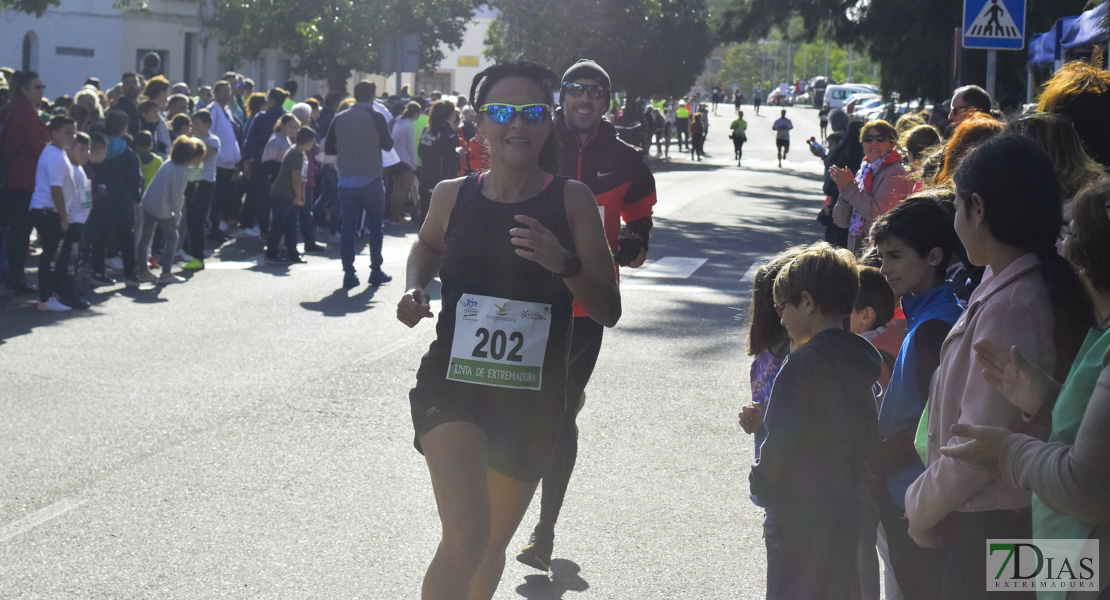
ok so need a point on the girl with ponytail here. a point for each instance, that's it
(1008, 216)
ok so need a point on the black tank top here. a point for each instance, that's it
(479, 258)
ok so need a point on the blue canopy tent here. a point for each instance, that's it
(1086, 29)
(1068, 32)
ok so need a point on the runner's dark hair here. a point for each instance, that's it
(1021, 201)
(544, 78)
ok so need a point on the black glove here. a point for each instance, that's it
(629, 246)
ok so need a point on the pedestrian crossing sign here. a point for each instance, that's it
(994, 24)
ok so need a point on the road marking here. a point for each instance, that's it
(670, 267)
(233, 265)
(39, 517)
(678, 288)
(749, 275)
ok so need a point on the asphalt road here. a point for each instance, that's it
(246, 434)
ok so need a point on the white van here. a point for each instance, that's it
(836, 95)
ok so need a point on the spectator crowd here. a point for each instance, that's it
(970, 248)
(147, 176)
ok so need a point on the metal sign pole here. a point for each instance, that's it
(992, 70)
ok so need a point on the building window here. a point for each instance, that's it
(68, 51)
(429, 82)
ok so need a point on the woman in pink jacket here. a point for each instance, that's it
(880, 183)
(1007, 216)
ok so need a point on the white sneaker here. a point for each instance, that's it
(250, 232)
(183, 256)
(52, 304)
(115, 263)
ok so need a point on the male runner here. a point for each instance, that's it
(624, 189)
(782, 128)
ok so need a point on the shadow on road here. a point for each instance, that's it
(341, 302)
(564, 578)
(658, 165)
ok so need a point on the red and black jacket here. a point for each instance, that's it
(622, 184)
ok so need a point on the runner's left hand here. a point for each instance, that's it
(537, 244)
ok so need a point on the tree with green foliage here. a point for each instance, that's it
(913, 41)
(649, 47)
(331, 38)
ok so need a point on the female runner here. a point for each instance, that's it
(512, 247)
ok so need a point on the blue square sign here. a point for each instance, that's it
(994, 24)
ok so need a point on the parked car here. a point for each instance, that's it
(836, 95)
(862, 101)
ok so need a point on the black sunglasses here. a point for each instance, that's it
(574, 90)
(867, 139)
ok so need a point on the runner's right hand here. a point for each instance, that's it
(413, 306)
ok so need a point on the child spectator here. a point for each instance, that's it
(180, 125)
(78, 213)
(767, 342)
(115, 212)
(150, 120)
(287, 193)
(821, 426)
(55, 190)
(873, 318)
(162, 204)
(198, 193)
(916, 241)
(1008, 217)
(149, 162)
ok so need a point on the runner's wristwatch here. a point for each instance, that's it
(571, 266)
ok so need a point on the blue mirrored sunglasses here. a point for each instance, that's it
(532, 114)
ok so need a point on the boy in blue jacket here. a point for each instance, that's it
(916, 240)
(821, 427)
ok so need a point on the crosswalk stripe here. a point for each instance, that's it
(749, 275)
(669, 267)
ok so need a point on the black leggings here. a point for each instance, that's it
(966, 562)
(49, 225)
(585, 344)
(14, 220)
(122, 232)
(918, 571)
(738, 145)
(198, 198)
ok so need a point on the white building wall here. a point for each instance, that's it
(455, 62)
(84, 27)
(113, 38)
